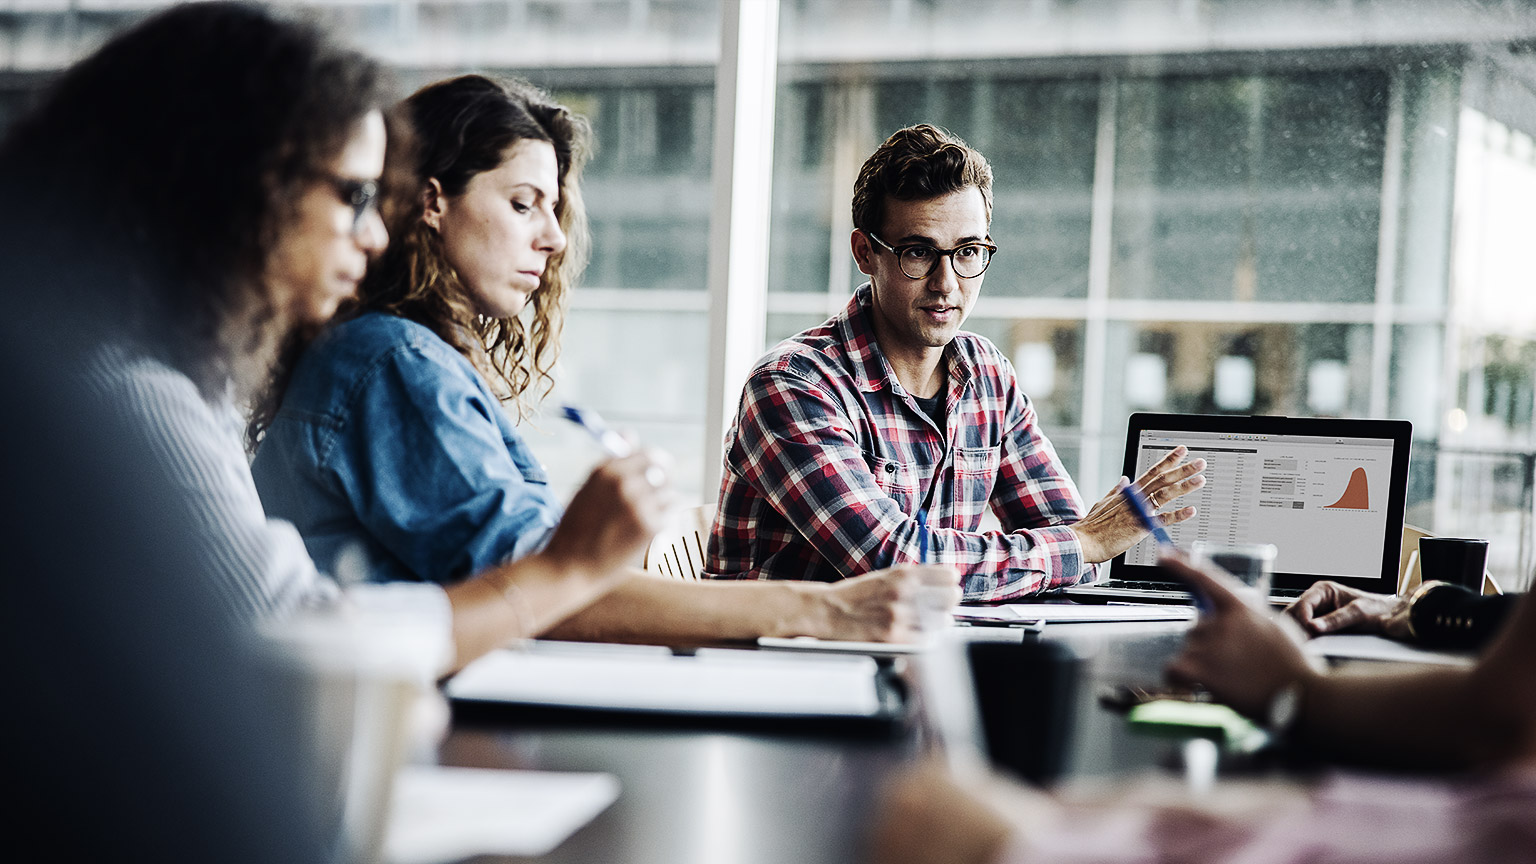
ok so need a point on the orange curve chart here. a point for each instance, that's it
(1357, 495)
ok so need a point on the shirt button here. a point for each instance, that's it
(890, 467)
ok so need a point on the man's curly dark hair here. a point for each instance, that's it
(914, 164)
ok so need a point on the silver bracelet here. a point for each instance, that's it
(513, 594)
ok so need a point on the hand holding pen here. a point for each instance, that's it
(1153, 524)
(949, 713)
(922, 535)
(625, 502)
(612, 442)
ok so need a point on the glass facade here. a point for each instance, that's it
(1248, 188)
(1230, 206)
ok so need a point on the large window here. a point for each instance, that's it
(1249, 187)
(1269, 231)
(1276, 206)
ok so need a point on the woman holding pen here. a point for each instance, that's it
(203, 214)
(387, 431)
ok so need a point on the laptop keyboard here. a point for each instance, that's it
(1141, 585)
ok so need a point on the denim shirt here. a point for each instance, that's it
(389, 440)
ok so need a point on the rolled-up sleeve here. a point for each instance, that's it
(798, 448)
(429, 472)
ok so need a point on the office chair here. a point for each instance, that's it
(680, 554)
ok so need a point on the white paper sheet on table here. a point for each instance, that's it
(810, 643)
(448, 814)
(1358, 646)
(723, 682)
(1064, 613)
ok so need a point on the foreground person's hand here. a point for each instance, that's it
(1241, 653)
(925, 817)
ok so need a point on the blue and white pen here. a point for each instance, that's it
(922, 535)
(1155, 525)
(1144, 513)
(610, 440)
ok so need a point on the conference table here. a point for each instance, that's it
(699, 792)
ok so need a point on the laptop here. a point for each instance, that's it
(1327, 492)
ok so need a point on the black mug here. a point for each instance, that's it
(1458, 560)
(1026, 694)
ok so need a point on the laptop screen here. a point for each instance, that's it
(1328, 494)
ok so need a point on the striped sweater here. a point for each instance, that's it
(259, 566)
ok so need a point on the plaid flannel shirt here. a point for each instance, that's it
(829, 460)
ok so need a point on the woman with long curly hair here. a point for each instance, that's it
(204, 205)
(388, 434)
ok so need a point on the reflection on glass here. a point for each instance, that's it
(1251, 187)
(1327, 387)
(1298, 370)
(1039, 136)
(1146, 381)
(804, 195)
(647, 189)
(1233, 388)
(1415, 383)
(1047, 356)
(782, 325)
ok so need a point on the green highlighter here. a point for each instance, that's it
(1193, 719)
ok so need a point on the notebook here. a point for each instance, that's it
(1327, 492)
(653, 680)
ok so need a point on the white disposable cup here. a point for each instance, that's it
(359, 681)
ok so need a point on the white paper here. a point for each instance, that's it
(751, 683)
(449, 814)
(1355, 646)
(811, 643)
(1062, 613)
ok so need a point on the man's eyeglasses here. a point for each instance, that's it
(361, 195)
(917, 260)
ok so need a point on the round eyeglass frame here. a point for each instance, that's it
(901, 260)
(360, 195)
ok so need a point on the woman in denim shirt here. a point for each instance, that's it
(388, 436)
(189, 217)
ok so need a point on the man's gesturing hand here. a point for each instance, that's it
(1111, 526)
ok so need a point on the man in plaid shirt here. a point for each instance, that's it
(847, 430)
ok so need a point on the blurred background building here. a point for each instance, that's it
(1300, 207)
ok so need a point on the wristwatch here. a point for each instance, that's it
(1424, 589)
(1284, 708)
